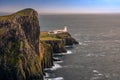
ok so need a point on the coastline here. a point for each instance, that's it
(26, 50)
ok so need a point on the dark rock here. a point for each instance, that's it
(57, 45)
(69, 40)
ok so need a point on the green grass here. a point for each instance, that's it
(63, 35)
(49, 38)
(2, 31)
(24, 12)
(44, 36)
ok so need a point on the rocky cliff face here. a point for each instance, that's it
(69, 40)
(57, 45)
(19, 46)
(58, 41)
(46, 55)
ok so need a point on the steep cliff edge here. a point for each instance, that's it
(69, 40)
(58, 41)
(19, 46)
(57, 44)
(46, 55)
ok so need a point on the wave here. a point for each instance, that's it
(55, 67)
(69, 46)
(57, 78)
(80, 43)
(57, 62)
(47, 77)
(95, 55)
(97, 75)
(68, 52)
(60, 54)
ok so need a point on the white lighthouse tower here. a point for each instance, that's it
(65, 29)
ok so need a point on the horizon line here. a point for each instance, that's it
(42, 13)
(79, 13)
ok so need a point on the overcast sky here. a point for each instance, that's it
(62, 6)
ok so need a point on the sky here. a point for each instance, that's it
(62, 6)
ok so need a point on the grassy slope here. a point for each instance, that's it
(24, 12)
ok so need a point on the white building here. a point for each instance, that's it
(58, 31)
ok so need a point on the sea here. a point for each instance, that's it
(97, 57)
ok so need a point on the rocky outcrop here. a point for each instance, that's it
(57, 45)
(69, 40)
(46, 55)
(58, 41)
(19, 46)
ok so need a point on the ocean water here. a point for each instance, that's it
(97, 57)
(4, 13)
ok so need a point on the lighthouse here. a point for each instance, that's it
(59, 31)
(65, 29)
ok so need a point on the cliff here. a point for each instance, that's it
(46, 55)
(69, 40)
(58, 41)
(19, 46)
(57, 44)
